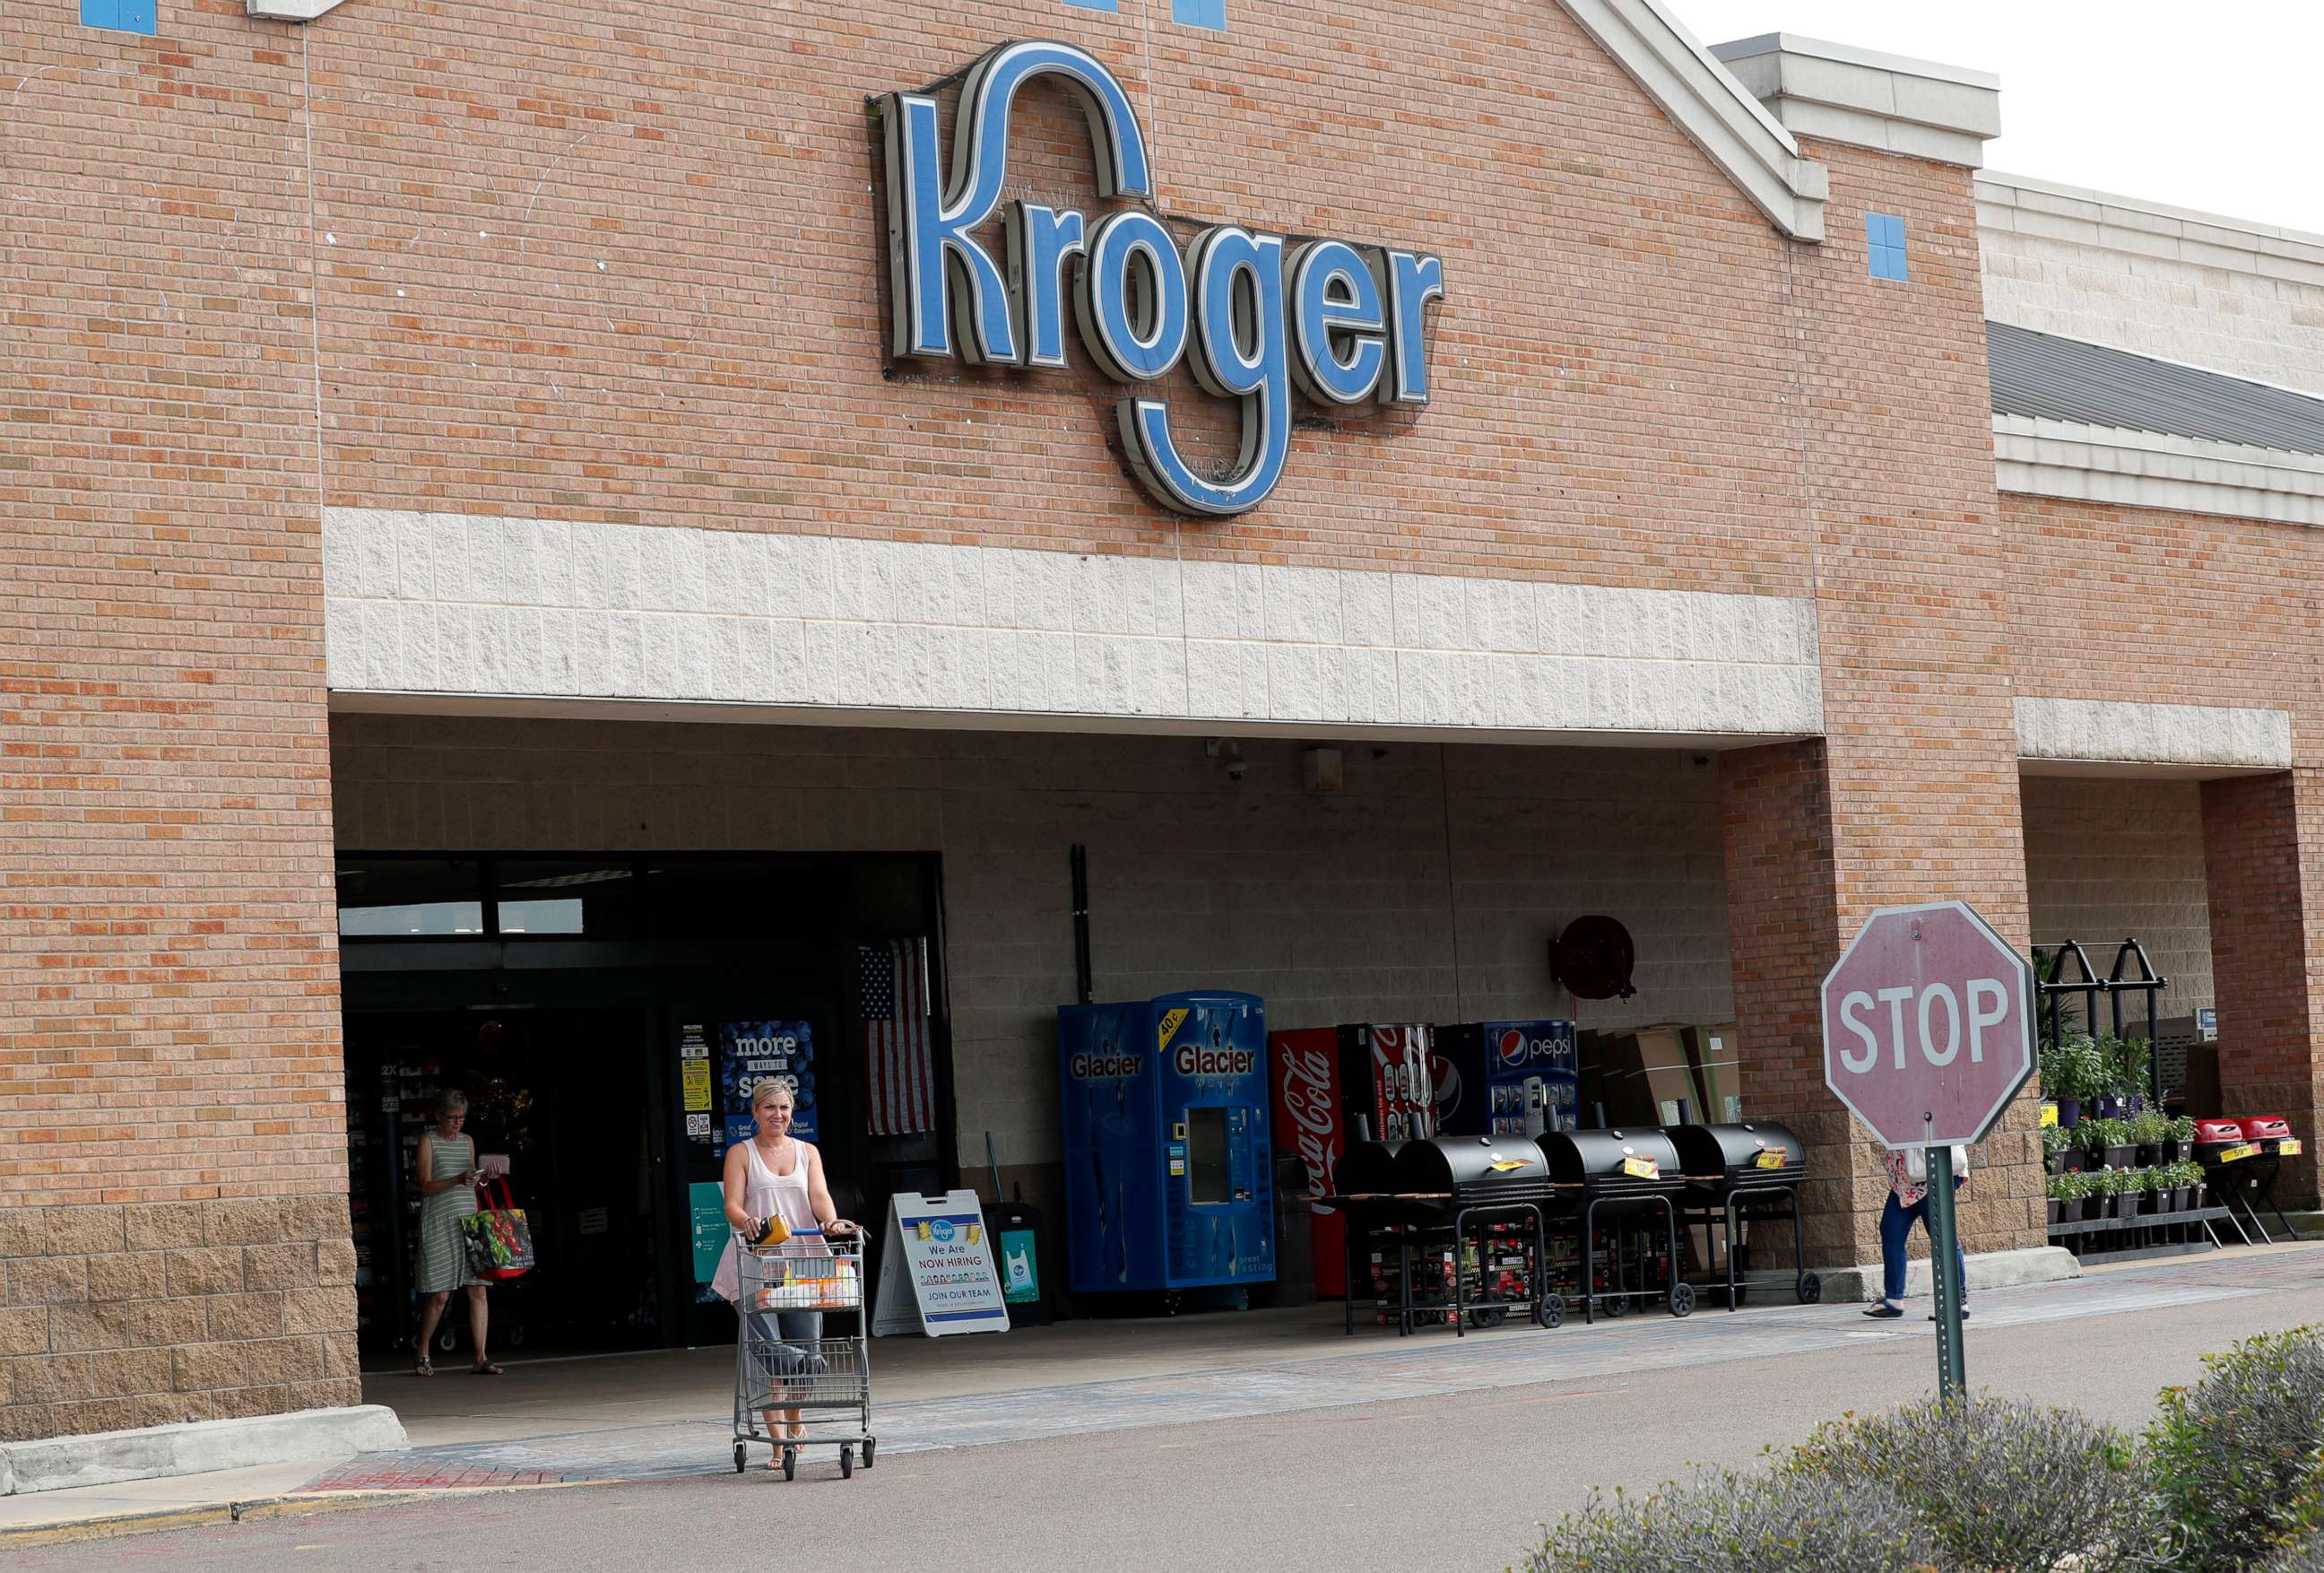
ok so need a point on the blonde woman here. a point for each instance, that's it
(448, 1179)
(775, 1175)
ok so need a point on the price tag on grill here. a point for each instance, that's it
(2289, 1147)
(1775, 1159)
(2240, 1150)
(1642, 1168)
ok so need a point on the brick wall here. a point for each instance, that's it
(2265, 861)
(173, 1205)
(1427, 890)
(1784, 930)
(144, 1313)
(2111, 857)
(1920, 752)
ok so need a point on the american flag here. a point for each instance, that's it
(891, 995)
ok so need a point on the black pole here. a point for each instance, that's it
(1084, 987)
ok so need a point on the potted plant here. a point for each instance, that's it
(2122, 1074)
(2069, 1196)
(2059, 1154)
(2149, 1183)
(2062, 1190)
(2072, 1072)
(2148, 1131)
(2130, 1059)
(2181, 1143)
(2107, 1142)
(2187, 1181)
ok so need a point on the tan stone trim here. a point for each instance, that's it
(817, 627)
(1841, 93)
(2121, 731)
(2145, 470)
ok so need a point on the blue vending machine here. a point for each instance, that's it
(1496, 1079)
(1167, 1162)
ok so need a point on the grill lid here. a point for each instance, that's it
(1640, 1159)
(1753, 1149)
(1366, 1168)
(1471, 1166)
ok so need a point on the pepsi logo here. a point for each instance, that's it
(1513, 1047)
(1447, 1089)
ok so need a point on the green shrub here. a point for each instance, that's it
(1721, 1521)
(2000, 1484)
(2182, 1129)
(2054, 1140)
(2073, 1185)
(2095, 1135)
(2306, 1558)
(2239, 1456)
(2149, 1128)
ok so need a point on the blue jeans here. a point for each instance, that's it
(1896, 1228)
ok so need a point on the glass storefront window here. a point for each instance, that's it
(410, 898)
(594, 899)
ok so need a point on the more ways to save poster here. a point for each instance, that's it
(749, 1053)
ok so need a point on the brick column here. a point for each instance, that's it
(2264, 868)
(1792, 902)
(1782, 933)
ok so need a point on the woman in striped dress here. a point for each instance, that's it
(448, 1179)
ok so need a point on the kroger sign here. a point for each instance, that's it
(1253, 312)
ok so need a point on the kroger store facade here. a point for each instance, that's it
(529, 536)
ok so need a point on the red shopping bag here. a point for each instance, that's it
(499, 1240)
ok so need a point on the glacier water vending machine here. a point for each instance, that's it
(1167, 1161)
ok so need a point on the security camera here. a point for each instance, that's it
(1237, 769)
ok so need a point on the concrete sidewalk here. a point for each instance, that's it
(664, 1415)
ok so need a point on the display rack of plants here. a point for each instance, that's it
(2150, 1210)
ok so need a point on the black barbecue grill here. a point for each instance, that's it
(1366, 1168)
(1739, 1172)
(1620, 1173)
(1416, 1192)
(1470, 1169)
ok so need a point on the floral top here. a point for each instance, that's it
(1908, 1190)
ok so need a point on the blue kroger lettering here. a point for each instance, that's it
(1344, 324)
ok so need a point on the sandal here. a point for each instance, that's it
(1883, 1311)
(424, 1368)
(485, 1368)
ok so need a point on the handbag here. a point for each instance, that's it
(498, 1237)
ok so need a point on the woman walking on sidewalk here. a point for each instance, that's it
(1908, 1198)
(447, 1178)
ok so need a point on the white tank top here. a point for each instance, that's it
(768, 1195)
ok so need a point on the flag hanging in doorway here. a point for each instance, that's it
(891, 995)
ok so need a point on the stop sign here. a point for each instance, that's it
(1925, 1018)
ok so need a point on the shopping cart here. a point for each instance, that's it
(823, 1376)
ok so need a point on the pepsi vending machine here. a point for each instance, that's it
(1167, 1161)
(1500, 1078)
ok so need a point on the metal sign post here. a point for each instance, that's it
(1944, 1269)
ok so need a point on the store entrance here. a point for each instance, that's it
(606, 1017)
(555, 1092)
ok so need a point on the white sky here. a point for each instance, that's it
(2216, 107)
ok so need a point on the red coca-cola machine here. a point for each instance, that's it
(1323, 1079)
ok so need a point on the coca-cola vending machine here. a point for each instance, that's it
(1323, 1079)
